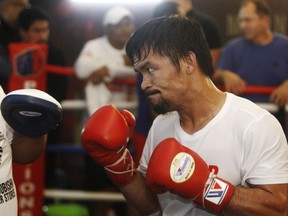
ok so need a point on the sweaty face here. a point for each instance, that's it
(37, 33)
(161, 83)
(251, 23)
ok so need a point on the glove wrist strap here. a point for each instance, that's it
(123, 170)
(216, 195)
(123, 159)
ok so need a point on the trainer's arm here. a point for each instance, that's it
(138, 195)
(27, 149)
(264, 200)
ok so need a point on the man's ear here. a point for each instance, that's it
(191, 62)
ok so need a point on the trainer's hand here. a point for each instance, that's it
(233, 82)
(105, 137)
(98, 75)
(183, 172)
(31, 112)
(280, 95)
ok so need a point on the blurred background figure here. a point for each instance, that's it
(99, 62)
(34, 27)
(10, 10)
(104, 58)
(257, 58)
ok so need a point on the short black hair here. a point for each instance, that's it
(174, 37)
(29, 15)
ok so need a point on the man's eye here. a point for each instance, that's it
(150, 70)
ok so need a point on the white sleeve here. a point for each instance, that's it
(121, 71)
(9, 133)
(88, 61)
(9, 130)
(265, 157)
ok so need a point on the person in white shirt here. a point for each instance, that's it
(103, 58)
(208, 152)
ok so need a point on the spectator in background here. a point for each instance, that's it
(103, 58)
(100, 60)
(34, 27)
(259, 57)
(145, 115)
(208, 152)
(10, 10)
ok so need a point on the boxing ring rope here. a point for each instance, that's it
(79, 105)
(84, 195)
(68, 71)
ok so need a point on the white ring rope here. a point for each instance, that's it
(79, 104)
(84, 195)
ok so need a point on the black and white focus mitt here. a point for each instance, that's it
(31, 112)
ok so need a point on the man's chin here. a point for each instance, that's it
(153, 99)
(160, 108)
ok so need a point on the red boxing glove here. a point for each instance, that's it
(105, 137)
(183, 172)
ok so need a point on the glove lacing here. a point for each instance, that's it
(122, 158)
(212, 175)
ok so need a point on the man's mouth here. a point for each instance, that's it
(151, 93)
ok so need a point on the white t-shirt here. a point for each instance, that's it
(95, 54)
(8, 197)
(244, 141)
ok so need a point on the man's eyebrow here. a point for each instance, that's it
(140, 66)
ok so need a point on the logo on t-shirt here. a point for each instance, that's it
(7, 191)
(1, 148)
(1, 153)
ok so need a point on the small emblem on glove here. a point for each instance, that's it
(182, 167)
(30, 113)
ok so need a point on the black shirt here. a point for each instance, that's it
(57, 84)
(7, 33)
(210, 28)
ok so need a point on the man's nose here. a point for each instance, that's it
(146, 82)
